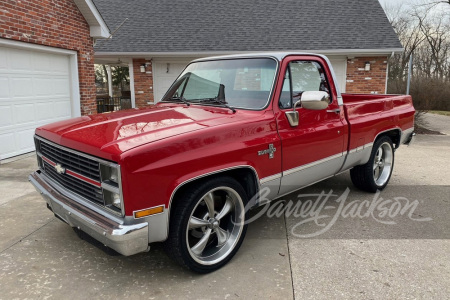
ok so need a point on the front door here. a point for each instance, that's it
(313, 150)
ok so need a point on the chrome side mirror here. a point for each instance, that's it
(313, 100)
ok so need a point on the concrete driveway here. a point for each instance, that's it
(387, 254)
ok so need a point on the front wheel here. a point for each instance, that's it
(375, 174)
(207, 225)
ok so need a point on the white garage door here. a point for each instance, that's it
(35, 89)
(164, 74)
(340, 69)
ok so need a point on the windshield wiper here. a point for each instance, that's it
(215, 101)
(178, 99)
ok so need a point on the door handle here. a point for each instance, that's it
(336, 111)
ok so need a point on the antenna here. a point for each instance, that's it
(110, 36)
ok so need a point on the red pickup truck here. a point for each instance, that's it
(183, 171)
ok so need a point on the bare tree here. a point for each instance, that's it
(424, 31)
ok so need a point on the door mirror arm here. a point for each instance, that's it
(292, 115)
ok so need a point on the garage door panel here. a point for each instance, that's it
(24, 113)
(62, 109)
(20, 60)
(3, 59)
(43, 86)
(4, 87)
(60, 64)
(35, 89)
(7, 145)
(42, 62)
(44, 111)
(6, 115)
(61, 87)
(22, 87)
(25, 140)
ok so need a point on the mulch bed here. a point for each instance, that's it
(422, 130)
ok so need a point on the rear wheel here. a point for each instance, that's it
(375, 174)
(207, 225)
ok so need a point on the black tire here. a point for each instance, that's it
(376, 173)
(191, 224)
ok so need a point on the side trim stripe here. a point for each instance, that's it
(297, 169)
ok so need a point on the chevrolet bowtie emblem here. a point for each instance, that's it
(269, 151)
(60, 169)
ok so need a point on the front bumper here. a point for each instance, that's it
(125, 239)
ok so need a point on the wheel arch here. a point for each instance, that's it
(394, 134)
(244, 174)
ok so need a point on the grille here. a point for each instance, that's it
(74, 162)
(75, 185)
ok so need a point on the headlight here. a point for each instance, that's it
(112, 199)
(110, 176)
(109, 173)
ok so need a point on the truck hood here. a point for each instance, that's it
(109, 135)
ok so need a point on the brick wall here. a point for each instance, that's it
(143, 82)
(361, 81)
(55, 23)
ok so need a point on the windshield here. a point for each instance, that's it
(238, 83)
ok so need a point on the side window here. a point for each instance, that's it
(302, 76)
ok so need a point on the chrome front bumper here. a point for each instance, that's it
(125, 239)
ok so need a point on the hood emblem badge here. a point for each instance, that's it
(269, 151)
(59, 169)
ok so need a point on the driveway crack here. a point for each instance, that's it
(25, 237)
(289, 256)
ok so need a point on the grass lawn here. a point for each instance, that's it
(440, 112)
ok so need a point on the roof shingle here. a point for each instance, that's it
(245, 25)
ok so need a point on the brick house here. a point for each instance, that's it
(46, 66)
(163, 36)
(47, 51)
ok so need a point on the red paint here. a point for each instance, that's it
(165, 145)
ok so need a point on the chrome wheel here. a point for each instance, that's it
(382, 164)
(215, 225)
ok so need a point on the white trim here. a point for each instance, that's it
(270, 178)
(75, 86)
(109, 75)
(47, 49)
(131, 73)
(387, 76)
(73, 73)
(355, 52)
(315, 163)
(98, 28)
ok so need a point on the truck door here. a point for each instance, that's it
(314, 149)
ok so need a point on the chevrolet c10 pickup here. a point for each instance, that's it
(184, 171)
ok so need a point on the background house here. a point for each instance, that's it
(47, 51)
(163, 36)
(46, 66)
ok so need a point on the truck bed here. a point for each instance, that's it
(369, 115)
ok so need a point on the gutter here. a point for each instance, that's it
(354, 52)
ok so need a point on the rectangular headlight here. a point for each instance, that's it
(111, 186)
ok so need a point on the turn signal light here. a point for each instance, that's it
(149, 212)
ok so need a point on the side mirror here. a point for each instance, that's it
(313, 100)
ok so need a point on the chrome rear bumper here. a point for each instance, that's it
(125, 239)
